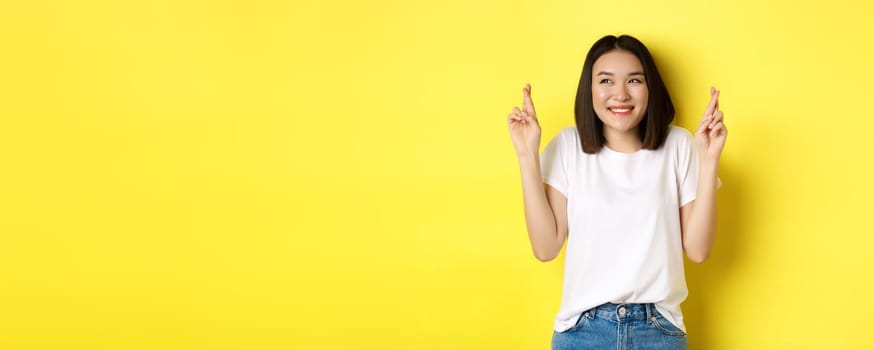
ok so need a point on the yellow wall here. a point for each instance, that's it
(338, 175)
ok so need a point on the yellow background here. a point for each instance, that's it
(338, 175)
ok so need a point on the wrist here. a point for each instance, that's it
(707, 163)
(528, 157)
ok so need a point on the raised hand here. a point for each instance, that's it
(524, 127)
(711, 134)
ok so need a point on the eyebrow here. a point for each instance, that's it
(611, 74)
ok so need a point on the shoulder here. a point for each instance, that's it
(678, 137)
(568, 132)
(567, 136)
(679, 132)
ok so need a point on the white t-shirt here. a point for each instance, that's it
(624, 243)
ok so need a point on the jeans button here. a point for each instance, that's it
(622, 311)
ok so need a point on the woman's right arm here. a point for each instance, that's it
(545, 207)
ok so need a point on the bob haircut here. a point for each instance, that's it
(653, 128)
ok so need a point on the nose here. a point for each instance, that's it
(621, 93)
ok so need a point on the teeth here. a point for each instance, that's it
(618, 110)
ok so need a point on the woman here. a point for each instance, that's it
(629, 192)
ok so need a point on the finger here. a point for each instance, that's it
(516, 110)
(527, 104)
(523, 117)
(716, 108)
(714, 100)
(529, 115)
(716, 119)
(717, 129)
(705, 121)
(515, 121)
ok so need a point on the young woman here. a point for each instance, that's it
(629, 192)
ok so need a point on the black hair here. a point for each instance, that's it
(653, 128)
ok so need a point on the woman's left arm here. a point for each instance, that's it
(698, 218)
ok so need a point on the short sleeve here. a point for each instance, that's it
(688, 169)
(553, 162)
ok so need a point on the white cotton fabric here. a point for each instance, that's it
(624, 243)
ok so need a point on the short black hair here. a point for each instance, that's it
(653, 128)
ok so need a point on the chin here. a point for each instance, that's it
(623, 126)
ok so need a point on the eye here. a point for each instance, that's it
(635, 81)
(605, 81)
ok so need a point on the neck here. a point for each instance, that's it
(625, 142)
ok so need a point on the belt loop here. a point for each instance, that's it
(648, 311)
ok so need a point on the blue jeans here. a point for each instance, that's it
(621, 327)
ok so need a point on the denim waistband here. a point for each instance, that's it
(622, 311)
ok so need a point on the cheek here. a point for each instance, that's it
(599, 96)
(642, 92)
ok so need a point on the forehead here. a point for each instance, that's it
(617, 61)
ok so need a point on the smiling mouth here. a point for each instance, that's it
(621, 110)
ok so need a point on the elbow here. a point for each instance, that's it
(698, 249)
(697, 257)
(547, 249)
(544, 256)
